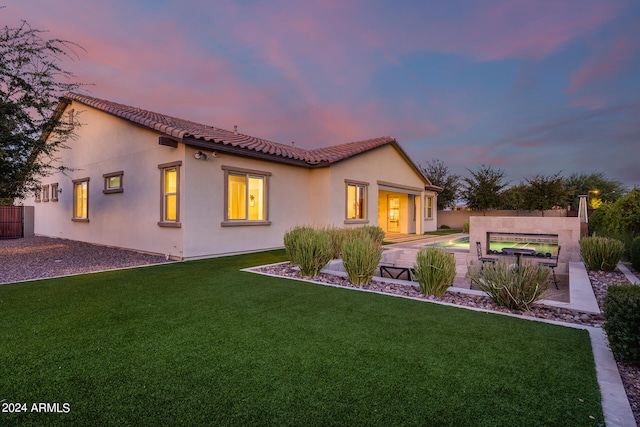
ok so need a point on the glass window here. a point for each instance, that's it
(54, 192)
(81, 199)
(246, 197)
(45, 193)
(170, 189)
(356, 201)
(113, 182)
(428, 207)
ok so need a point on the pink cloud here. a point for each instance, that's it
(606, 63)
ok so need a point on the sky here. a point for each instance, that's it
(524, 86)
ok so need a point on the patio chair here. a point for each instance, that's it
(482, 258)
(552, 265)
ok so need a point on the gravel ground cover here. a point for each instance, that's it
(42, 257)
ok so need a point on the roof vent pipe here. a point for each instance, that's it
(235, 129)
(293, 144)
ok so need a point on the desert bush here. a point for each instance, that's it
(622, 321)
(601, 253)
(337, 236)
(435, 270)
(445, 227)
(360, 258)
(466, 227)
(374, 232)
(309, 249)
(634, 253)
(512, 286)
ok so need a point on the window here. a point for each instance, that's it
(54, 192)
(38, 194)
(246, 195)
(113, 182)
(356, 201)
(428, 207)
(81, 199)
(45, 193)
(170, 194)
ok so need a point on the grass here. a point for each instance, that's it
(443, 232)
(200, 343)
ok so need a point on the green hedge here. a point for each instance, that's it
(622, 321)
(635, 253)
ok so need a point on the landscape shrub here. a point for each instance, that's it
(445, 227)
(622, 321)
(337, 236)
(372, 231)
(512, 286)
(309, 249)
(435, 270)
(466, 227)
(601, 253)
(635, 253)
(360, 258)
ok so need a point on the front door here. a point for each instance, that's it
(393, 218)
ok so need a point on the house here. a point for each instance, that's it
(146, 181)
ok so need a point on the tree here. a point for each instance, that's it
(596, 186)
(545, 192)
(513, 198)
(483, 189)
(440, 176)
(32, 127)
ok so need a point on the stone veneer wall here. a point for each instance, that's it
(567, 229)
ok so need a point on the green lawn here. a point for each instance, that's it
(200, 343)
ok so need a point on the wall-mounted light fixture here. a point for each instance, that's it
(200, 155)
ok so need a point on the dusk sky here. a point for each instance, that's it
(529, 87)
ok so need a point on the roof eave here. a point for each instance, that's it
(223, 148)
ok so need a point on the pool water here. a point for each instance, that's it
(463, 243)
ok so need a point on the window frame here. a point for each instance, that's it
(107, 177)
(54, 192)
(365, 214)
(247, 173)
(164, 222)
(75, 183)
(428, 207)
(45, 193)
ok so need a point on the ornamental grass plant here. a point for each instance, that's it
(309, 249)
(601, 253)
(360, 258)
(435, 270)
(513, 286)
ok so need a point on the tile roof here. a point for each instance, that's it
(187, 131)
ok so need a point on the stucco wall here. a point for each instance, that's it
(456, 219)
(382, 165)
(128, 219)
(296, 195)
(567, 229)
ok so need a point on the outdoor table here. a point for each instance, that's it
(518, 252)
